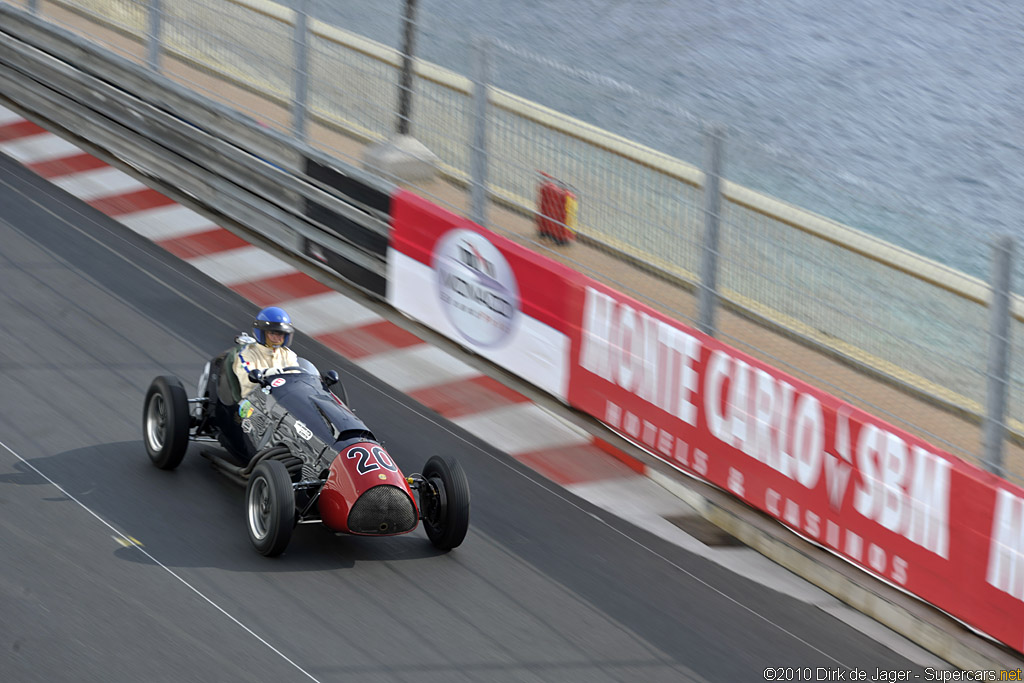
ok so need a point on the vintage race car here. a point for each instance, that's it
(303, 456)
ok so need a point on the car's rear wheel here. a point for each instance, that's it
(445, 502)
(270, 508)
(165, 422)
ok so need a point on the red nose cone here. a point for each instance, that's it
(335, 496)
(365, 493)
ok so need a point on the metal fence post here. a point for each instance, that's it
(707, 298)
(998, 355)
(478, 151)
(156, 15)
(301, 87)
(405, 82)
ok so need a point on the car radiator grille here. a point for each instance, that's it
(384, 509)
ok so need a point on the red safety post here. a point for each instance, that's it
(556, 217)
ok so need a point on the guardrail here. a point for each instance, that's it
(202, 153)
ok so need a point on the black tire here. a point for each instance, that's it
(445, 502)
(165, 422)
(270, 508)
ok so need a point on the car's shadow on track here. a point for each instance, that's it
(194, 516)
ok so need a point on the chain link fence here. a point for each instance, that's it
(888, 312)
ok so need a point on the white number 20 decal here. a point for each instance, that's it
(373, 459)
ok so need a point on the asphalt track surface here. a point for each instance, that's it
(546, 586)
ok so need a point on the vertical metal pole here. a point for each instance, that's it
(300, 100)
(405, 82)
(156, 15)
(707, 299)
(478, 151)
(33, 6)
(998, 355)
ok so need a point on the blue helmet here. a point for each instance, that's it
(274, 319)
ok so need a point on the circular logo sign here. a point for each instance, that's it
(476, 287)
(278, 382)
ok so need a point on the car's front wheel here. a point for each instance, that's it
(444, 502)
(165, 422)
(270, 508)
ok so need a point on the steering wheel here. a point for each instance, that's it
(258, 376)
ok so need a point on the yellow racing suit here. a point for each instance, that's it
(256, 356)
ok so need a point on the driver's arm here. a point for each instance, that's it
(245, 360)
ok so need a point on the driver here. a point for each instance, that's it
(269, 351)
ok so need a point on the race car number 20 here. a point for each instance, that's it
(372, 459)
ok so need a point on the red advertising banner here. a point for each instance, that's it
(885, 500)
(876, 495)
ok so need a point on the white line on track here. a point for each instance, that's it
(129, 541)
